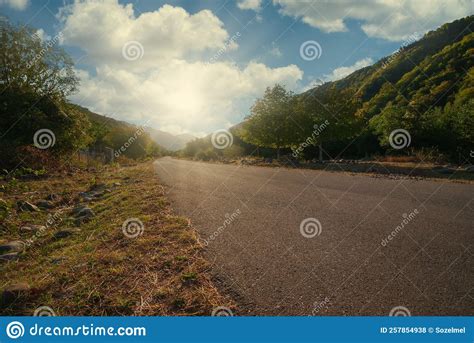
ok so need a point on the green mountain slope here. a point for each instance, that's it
(433, 71)
(425, 88)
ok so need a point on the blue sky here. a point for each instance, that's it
(174, 84)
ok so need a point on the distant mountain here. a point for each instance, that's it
(101, 119)
(164, 139)
(169, 141)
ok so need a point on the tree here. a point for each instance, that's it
(324, 119)
(270, 123)
(31, 65)
(35, 78)
(391, 118)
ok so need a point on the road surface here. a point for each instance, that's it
(308, 242)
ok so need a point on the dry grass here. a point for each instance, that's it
(99, 271)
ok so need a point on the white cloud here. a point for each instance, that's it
(342, 72)
(103, 28)
(42, 35)
(172, 86)
(392, 20)
(19, 5)
(255, 5)
(187, 97)
(275, 51)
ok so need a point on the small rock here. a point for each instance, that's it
(32, 229)
(88, 197)
(78, 209)
(27, 206)
(83, 214)
(86, 212)
(52, 197)
(14, 246)
(9, 257)
(58, 260)
(44, 204)
(99, 194)
(470, 169)
(98, 187)
(117, 184)
(13, 292)
(65, 233)
(444, 170)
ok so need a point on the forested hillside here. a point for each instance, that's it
(425, 88)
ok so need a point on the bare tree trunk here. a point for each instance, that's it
(278, 153)
(320, 152)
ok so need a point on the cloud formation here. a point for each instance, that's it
(19, 5)
(255, 5)
(170, 82)
(342, 72)
(392, 20)
(103, 28)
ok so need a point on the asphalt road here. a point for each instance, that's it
(251, 219)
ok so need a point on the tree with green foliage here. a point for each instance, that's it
(132, 142)
(270, 123)
(323, 120)
(391, 118)
(35, 78)
(31, 65)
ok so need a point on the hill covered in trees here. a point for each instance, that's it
(425, 88)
